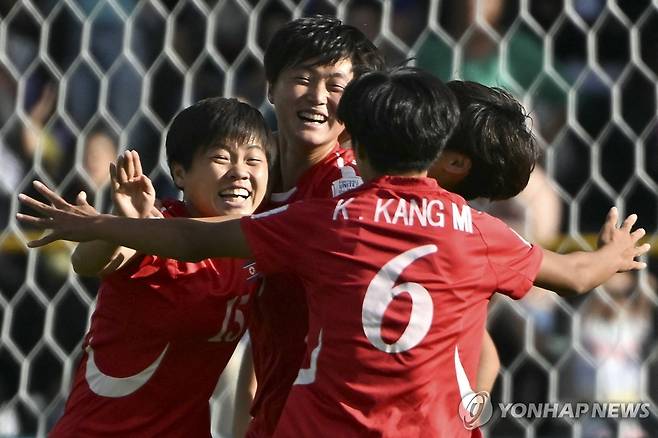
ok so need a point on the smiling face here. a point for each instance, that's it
(305, 99)
(224, 179)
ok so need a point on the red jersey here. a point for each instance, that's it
(397, 275)
(280, 323)
(161, 334)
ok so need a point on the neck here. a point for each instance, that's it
(376, 175)
(295, 159)
(368, 173)
(191, 210)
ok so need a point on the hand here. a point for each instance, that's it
(132, 191)
(623, 240)
(68, 222)
(81, 205)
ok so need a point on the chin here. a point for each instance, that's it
(315, 140)
(237, 210)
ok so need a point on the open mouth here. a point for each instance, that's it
(312, 117)
(238, 194)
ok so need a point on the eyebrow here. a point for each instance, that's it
(257, 146)
(233, 147)
(307, 69)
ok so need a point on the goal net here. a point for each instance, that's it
(83, 80)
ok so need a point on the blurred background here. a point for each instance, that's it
(82, 80)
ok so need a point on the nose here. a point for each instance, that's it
(317, 93)
(238, 171)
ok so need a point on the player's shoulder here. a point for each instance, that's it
(298, 207)
(334, 175)
(495, 232)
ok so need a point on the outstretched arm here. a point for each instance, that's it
(134, 196)
(97, 253)
(581, 271)
(182, 239)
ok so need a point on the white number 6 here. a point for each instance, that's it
(381, 292)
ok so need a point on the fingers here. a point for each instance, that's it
(155, 213)
(45, 240)
(39, 222)
(629, 222)
(613, 217)
(638, 234)
(115, 185)
(53, 197)
(37, 205)
(609, 227)
(637, 266)
(81, 199)
(641, 250)
(148, 184)
(137, 163)
(121, 169)
(129, 164)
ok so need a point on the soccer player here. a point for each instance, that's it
(411, 265)
(492, 152)
(163, 330)
(308, 63)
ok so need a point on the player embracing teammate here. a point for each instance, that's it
(396, 272)
(308, 64)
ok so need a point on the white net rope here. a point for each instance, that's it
(82, 80)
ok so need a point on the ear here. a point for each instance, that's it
(178, 174)
(457, 163)
(451, 168)
(345, 139)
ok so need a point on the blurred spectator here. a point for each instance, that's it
(100, 151)
(617, 338)
(38, 141)
(481, 57)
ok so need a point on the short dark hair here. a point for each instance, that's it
(322, 39)
(214, 121)
(493, 133)
(401, 117)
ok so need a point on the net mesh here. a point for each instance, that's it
(83, 80)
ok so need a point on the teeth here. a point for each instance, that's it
(244, 193)
(313, 117)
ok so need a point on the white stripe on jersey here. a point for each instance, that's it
(462, 379)
(282, 196)
(520, 237)
(109, 386)
(270, 212)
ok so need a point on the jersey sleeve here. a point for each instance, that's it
(514, 261)
(277, 237)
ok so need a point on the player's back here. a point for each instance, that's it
(391, 271)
